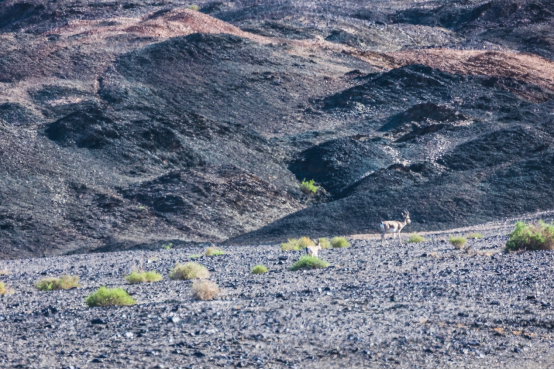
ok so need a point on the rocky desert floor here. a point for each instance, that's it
(418, 305)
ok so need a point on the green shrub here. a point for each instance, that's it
(308, 262)
(65, 282)
(531, 237)
(189, 270)
(167, 246)
(104, 297)
(194, 7)
(340, 242)
(458, 241)
(204, 290)
(474, 236)
(136, 277)
(324, 243)
(308, 187)
(259, 269)
(213, 251)
(297, 244)
(195, 256)
(415, 238)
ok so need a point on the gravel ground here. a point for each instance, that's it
(421, 305)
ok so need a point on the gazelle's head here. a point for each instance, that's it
(406, 216)
(317, 245)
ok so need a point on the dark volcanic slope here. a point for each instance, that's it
(424, 305)
(127, 125)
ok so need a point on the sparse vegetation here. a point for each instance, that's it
(308, 187)
(167, 246)
(141, 208)
(308, 262)
(194, 7)
(415, 238)
(324, 243)
(204, 290)
(297, 244)
(531, 237)
(259, 269)
(189, 270)
(339, 242)
(105, 297)
(5, 289)
(474, 236)
(195, 256)
(457, 241)
(136, 277)
(213, 251)
(64, 282)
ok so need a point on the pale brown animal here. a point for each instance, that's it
(312, 250)
(394, 227)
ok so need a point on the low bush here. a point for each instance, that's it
(297, 244)
(195, 256)
(324, 243)
(189, 270)
(308, 187)
(194, 7)
(339, 242)
(136, 277)
(105, 297)
(213, 251)
(204, 290)
(474, 236)
(308, 262)
(259, 269)
(457, 241)
(531, 237)
(415, 238)
(167, 246)
(64, 282)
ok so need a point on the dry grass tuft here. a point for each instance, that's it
(339, 242)
(4, 289)
(474, 236)
(204, 290)
(189, 270)
(457, 241)
(136, 277)
(64, 282)
(415, 238)
(297, 244)
(213, 251)
(324, 243)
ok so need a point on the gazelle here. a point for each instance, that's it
(312, 250)
(394, 227)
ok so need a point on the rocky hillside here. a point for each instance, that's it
(134, 124)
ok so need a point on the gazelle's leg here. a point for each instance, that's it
(383, 237)
(399, 239)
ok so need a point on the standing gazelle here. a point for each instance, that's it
(394, 227)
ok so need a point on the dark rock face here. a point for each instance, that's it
(127, 125)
